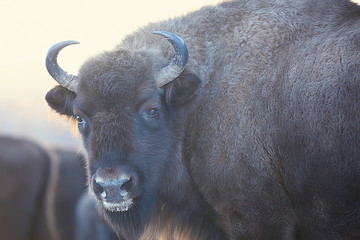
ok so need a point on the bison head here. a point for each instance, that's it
(130, 106)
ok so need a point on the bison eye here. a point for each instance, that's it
(81, 123)
(152, 113)
(78, 118)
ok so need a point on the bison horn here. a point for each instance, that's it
(178, 63)
(63, 78)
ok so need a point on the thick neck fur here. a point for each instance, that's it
(178, 212)
(171, 220)
(179, 223)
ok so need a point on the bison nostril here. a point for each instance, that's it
(125, 186)
(103, 195)
(97, 188)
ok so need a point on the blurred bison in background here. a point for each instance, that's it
(39, 189)
(90, 224)
(24, 173)
(65, 187)
(263, 122)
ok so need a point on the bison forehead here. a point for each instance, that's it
(119, 74)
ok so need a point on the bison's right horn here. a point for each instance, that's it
(178, 63)
(63, 78)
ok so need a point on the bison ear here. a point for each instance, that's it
(60, 99)
(182, 93)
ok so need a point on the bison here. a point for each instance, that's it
(90, 225)
(134, 155)
(67, 182)
(252, 111)
(24, 171)
(39, 190)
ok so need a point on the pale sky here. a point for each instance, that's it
(29, 28)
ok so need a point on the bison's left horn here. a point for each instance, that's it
(178, 63)
(63, 78)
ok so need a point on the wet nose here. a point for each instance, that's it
(115, 184)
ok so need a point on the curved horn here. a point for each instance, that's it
(63, 78)
(178, 63)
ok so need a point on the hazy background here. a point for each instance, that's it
(29, 28)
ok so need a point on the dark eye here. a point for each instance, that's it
(152, 113)
(79, 119)
(81, 123)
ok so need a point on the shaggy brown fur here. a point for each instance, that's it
(273, 143)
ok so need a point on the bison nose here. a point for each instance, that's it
(111, 189)
(115, 185)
